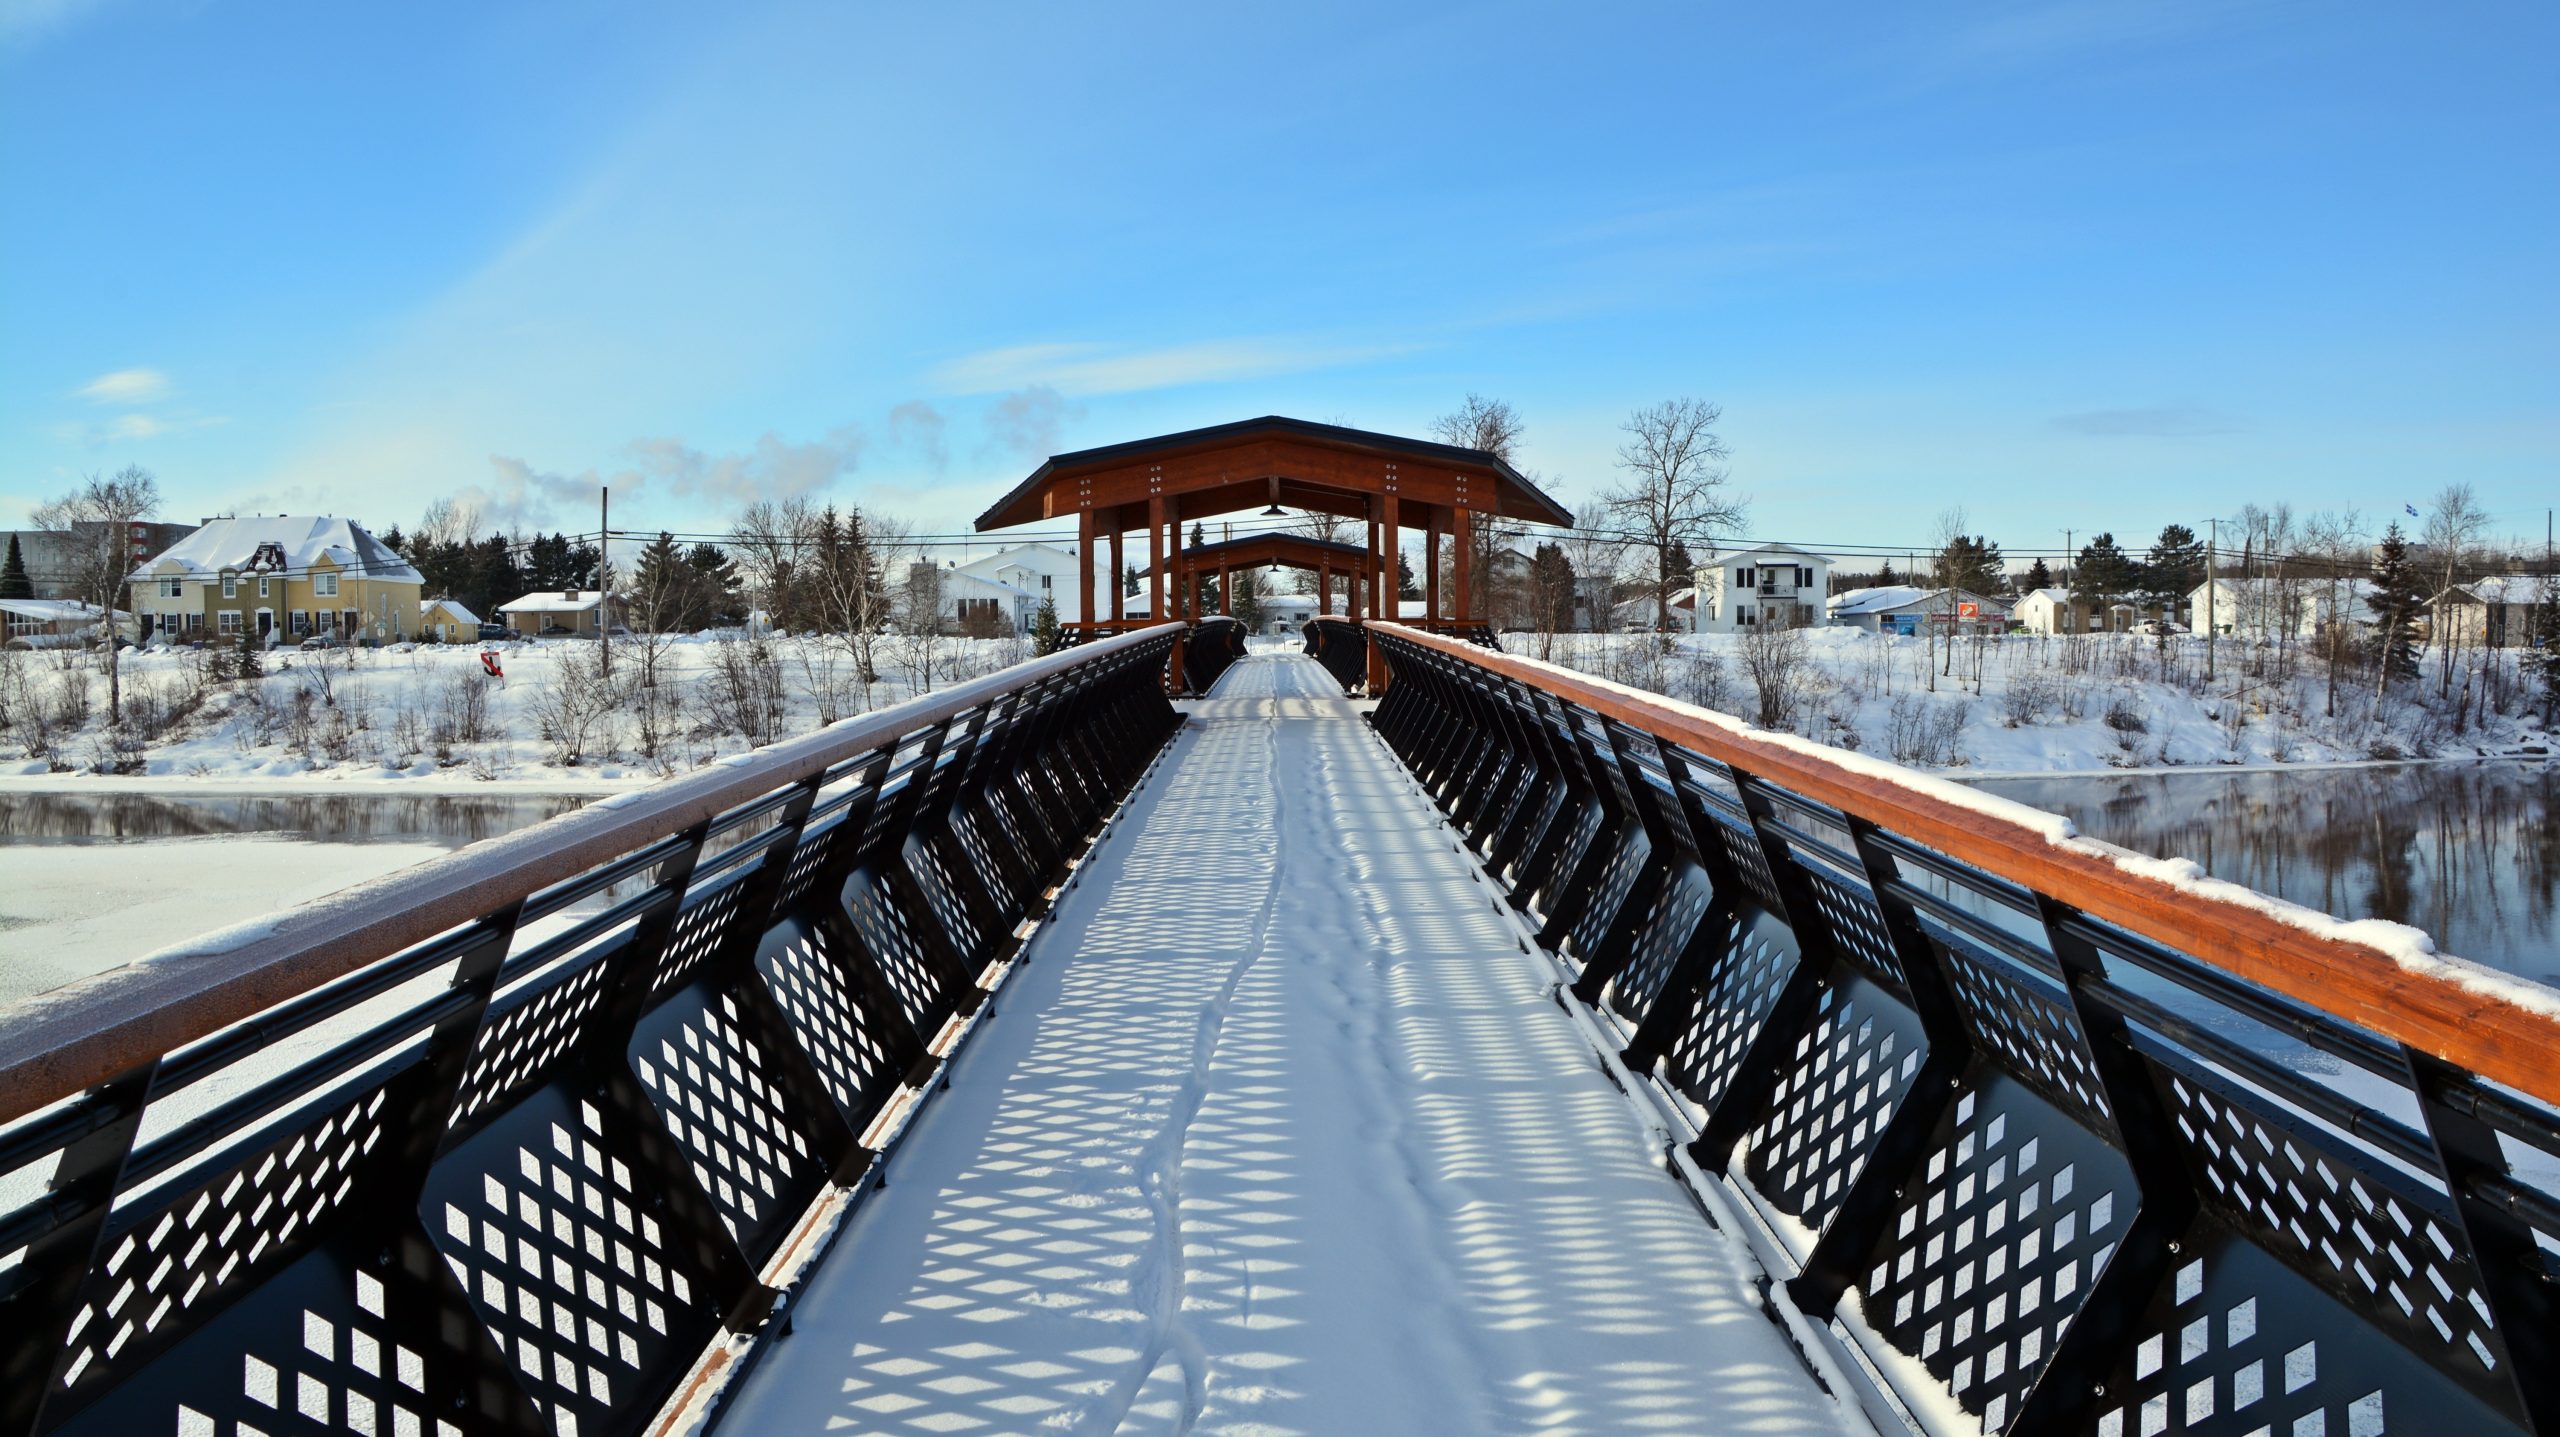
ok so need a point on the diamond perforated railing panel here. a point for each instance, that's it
(1679, 910)
(834, 1025)
(575, 1265)
(710, 912)
(1850, 1070)
(166, 1264)
(718, 1084)
(529, 1030)
(2024, 1018)
(890, 940)
(1741, 985)
(1994, 1243)
(1857, 930)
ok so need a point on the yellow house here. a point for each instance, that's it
(284, 578)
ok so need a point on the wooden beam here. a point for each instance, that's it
(1462, 536)
(1119, 590)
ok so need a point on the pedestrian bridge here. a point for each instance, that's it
(1508, 1052)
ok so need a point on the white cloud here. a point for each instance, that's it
(918, 426)
(1078, 369)
(1027, 422)
(775, 468)
(126, 386)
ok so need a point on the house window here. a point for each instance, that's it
(325, 585)
(228, 623)
(231, 586)
(349, 621)
(1742, 613)
(169, 588)
(263, 581)
(301, 622)
(1044, 581)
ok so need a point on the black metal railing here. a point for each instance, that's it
(1215, 643)
(2070, 1173)
(1342, 646)
(538, 1137)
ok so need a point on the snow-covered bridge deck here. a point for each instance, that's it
(1280, 1131)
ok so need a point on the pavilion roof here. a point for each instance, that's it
(1515, 495)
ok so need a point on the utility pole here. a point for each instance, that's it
(604, 581)
(2213, 528)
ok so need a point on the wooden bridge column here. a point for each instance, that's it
(1462, 534)
(1324, 586)
(1156, 611)
(1431, 565)
(1119, 589)
(1390, 592)
(1084, 565)
(1226, 588)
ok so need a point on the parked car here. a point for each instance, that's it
(2158, 627)
(320, 641)
(490, 632)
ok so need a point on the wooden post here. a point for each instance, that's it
(1324, 586)
(1226, 588)
(1462, 534)
(1084, 553)
(1156, 611)
(1119, 590)
(1390, 593)
(1431, 564)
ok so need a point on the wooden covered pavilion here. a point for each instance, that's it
(1323, 558)
(1383, 481)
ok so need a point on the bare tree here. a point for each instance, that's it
(1493, 426)
(2455, 522)
(1675, 494)
(1775, 657)
(97, 516)
(2337, 543)
(771, 540)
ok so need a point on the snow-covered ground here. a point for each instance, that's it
(2019, 704)
(428, 713)
(1279, 1131)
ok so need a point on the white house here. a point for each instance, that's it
(964, 597)
(2496, 612)
(1771, 584)
(2262, 608)
(563, 611)
(1043, 571)
(1909, 609)
(54, 623)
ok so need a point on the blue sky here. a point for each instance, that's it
(2060, 264)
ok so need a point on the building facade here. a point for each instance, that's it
(563, 613)
(282, 579)
(1909, 609)
(1769, 585)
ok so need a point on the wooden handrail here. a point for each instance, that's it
(2498, 1039)
(76, 1036)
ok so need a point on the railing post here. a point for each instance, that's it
(87, 1176)
(2516, 1277)
(2095, 1343)
(1858, 1223)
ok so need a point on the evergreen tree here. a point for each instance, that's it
(2038, 577)
(1679, 571)
(1248, 599)
(2106, 573)
(1129, 580)
(719, 579)
(1973, 562)
(1551, 581)
(2174, 568)
(1046, 636)
(666, 592)
(1406, 588)
(1887, 575)
(249, 663)
(14, 583)
(491, 575)
(1199, 534)
(2398, 600)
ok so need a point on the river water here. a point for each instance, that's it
(2468, 852)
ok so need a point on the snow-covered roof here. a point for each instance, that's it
(961, 584)
(2506, 589)
(2050, 596)
(1877, 599)
(1770, 549)
(1039, 558)
(1884, 598)
(453, 607)
(555, 601)
(304, 540)
(51, 611)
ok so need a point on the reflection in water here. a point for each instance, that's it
(2468, 852)
(449, 819)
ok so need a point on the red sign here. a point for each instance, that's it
(1968, 611)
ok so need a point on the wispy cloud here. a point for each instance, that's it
(126, 387)
(1080, 369)
(774, 468)
(1027, 422)
(2165, 421)
(918, 427)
